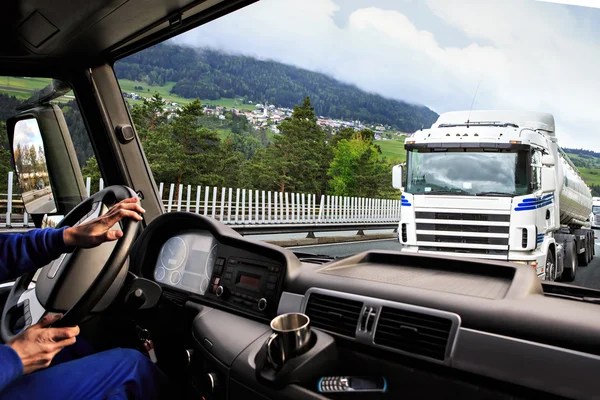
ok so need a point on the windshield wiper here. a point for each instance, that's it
(493, 194)
(585, 299)
(315, 258)
(571, 292)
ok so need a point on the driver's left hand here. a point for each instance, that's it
(98, 231)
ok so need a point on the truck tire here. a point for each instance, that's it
(571, 263)
(550, 266)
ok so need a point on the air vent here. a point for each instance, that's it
(404, 235)
(333, 314)
(524, 238)
(413, 332)
(176, 297)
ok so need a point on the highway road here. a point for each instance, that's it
(588, 276)
(41, 205)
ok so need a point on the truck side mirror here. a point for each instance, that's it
(548, 179)
(45, 160)
(397, 177)
(30, 164)
(547, 160)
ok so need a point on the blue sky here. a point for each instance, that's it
(527, 54)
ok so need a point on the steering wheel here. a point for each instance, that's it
(77, 281)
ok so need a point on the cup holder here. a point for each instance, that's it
(316, 360)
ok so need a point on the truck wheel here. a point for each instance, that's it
(550, 267)
(571, 263)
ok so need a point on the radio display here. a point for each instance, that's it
(251, 282)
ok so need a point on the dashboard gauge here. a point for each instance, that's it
(173, 253)
(210, 262)
(159, 273)
(204, 285)
(175, 277)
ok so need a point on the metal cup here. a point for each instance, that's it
(290, 338)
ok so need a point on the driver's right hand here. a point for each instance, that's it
(38, 344)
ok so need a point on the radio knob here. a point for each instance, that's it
(220, 291)
(262, 304)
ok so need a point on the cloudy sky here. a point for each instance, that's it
(27, 133)
(523, 54)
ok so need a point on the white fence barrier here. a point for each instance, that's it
(238, 206)
(250, 206)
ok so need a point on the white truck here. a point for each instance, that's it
(495, 185)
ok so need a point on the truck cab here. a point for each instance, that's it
(494, 185)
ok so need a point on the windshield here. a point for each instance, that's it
(468, 172)
(596, 209)
(293, 142)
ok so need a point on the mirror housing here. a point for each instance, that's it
(397, 172)
(548, 160)
(548, 179)
(29, 161)
(63, 171)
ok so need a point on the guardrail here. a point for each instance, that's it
(251, 211)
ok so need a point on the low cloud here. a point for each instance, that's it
(523, 54)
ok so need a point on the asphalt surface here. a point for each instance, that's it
(347, 249)
(588, 276)
(41, 205)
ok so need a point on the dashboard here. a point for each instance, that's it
(205, 261)
(477, 318)
(196, 262)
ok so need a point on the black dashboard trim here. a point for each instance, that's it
(369, 338)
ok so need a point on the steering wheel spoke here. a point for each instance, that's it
(32, 308)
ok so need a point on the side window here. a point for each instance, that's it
(536, 169)
(14, 91)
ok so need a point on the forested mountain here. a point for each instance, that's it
(210, 75)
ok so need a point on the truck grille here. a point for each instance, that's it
(462, 239)
(463, 216)
(462, 232)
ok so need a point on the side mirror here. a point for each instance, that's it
(29, 159)
(548, 160)
(397, 172)
(45, 160)
(548, 179)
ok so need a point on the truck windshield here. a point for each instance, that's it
(468, 172)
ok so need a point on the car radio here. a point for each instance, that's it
(246, 283)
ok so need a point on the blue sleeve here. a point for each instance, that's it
(11, 366)
(26, 252)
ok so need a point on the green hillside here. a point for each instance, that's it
(145, 90)
(208, 74)
(393, 149)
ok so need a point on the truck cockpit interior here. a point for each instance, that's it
(236, 318)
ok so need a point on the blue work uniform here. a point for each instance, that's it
(112, 374)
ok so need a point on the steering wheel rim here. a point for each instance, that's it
(104, 279)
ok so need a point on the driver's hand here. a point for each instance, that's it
(97, 231)
(38, 344)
